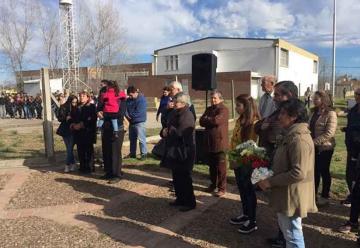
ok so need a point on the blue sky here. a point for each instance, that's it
(154, 24)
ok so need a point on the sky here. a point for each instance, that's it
(155, 24)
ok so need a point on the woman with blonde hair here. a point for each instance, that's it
(244, 131)
(323, 122)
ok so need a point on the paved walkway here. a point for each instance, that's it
(69, 213)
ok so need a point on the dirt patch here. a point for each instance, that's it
(56, 188)
(4, 179)
(37, 232)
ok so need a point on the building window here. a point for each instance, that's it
(172, 63)
(176, 62)
(284, 58)
(315, 67)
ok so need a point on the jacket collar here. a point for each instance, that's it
(295, 130)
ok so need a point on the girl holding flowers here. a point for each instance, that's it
(244, 131)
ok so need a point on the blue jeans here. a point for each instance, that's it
(292, 230)
(115, 125)
(69, 143)
(27, 114)
(2, 111)
(137, 132)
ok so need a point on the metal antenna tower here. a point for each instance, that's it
(70, 60)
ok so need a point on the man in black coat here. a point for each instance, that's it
(111, 147)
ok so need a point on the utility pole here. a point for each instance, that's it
(334, 50)
(47, 123)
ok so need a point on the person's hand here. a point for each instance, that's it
(264, 184)
(100, 114)
(68, 117)
(164, 132)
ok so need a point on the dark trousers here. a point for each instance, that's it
(111, 149)
(247, 193)
(355, 203)
(322, 170)
(86, 155)
(217, 170)
(350, 173)
(184, 190)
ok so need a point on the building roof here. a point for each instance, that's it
(211, 38)
(277, 42)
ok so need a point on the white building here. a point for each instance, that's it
(34, 87)
(260, 56)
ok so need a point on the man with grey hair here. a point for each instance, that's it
(266, 103)
(215, 120)
(175, 88)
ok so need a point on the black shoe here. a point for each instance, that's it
(276, 242)
(248, 227)
(239, 220)
(105, 177)
(143, 157)
(114, 180)
(186, 208)
(175, 204)
(129, 156)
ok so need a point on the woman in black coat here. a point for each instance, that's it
(180, 151)
(84, 130)
(65, 117)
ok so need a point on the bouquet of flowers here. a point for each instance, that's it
(250, 155)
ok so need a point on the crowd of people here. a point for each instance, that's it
(20, 105)
(299, 144)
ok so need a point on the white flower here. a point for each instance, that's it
(261, 174)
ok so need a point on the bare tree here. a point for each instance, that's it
(16, 26)
(49, 31)
(106, 44)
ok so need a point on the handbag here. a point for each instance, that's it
(178, 153)
(159, 149)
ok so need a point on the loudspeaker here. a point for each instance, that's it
(204, 71)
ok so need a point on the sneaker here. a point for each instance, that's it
(346, 202)
(348, 227)
(67, 169)
(248, 227)
(238, 220)
(73, 167)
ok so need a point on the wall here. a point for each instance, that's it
(300, 71)
(152, 86)
(233, 55)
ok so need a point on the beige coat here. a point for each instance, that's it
(325, 128)
(292, 186)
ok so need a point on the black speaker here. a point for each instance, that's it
(204, 71)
